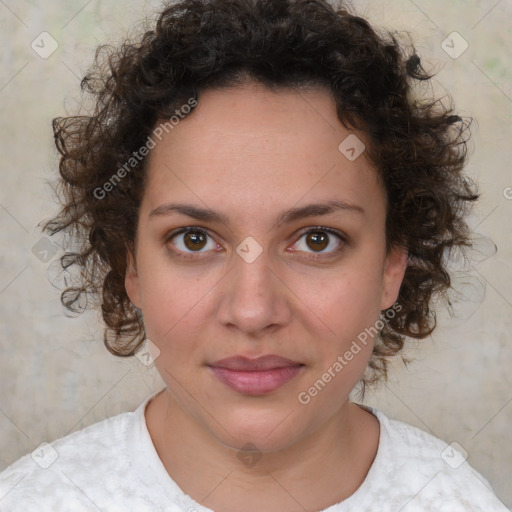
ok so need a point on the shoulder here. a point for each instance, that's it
(429, 472)
(56, 474)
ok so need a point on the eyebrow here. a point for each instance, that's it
(301, 212)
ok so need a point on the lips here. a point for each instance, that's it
(244, 364)
(255, 376)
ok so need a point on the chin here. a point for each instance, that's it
(267, 432)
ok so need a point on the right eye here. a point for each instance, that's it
(192, 240)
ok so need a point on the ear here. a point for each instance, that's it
(131, 279)
(394, 270)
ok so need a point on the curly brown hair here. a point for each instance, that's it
(417, 144)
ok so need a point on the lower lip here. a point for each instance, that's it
(256, 383)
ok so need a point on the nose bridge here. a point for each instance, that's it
(252, 274)
(253, 297)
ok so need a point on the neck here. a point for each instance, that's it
(321, 469)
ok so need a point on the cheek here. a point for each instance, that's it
(344, 310)
(345, 303)
(174, 302)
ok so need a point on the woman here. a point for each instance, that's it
(266, 211)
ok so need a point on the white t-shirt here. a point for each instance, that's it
(113, 466)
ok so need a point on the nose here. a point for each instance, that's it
(254, 297)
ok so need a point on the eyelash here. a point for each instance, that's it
(194, 254)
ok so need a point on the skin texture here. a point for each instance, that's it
(251, 154)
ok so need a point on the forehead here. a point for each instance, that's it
(251, 146)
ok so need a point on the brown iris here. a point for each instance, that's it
(194, 240)
(317, 240)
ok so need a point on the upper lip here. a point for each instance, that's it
(263, 363)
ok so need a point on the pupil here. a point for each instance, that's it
(319, 239)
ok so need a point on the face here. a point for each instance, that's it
(257, 236)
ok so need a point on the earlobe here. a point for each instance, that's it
(131, 280)
(394, 270)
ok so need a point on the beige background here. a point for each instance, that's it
(55, 374)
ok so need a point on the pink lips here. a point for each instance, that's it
(255, 376)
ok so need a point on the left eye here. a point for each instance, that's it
(318, 240)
